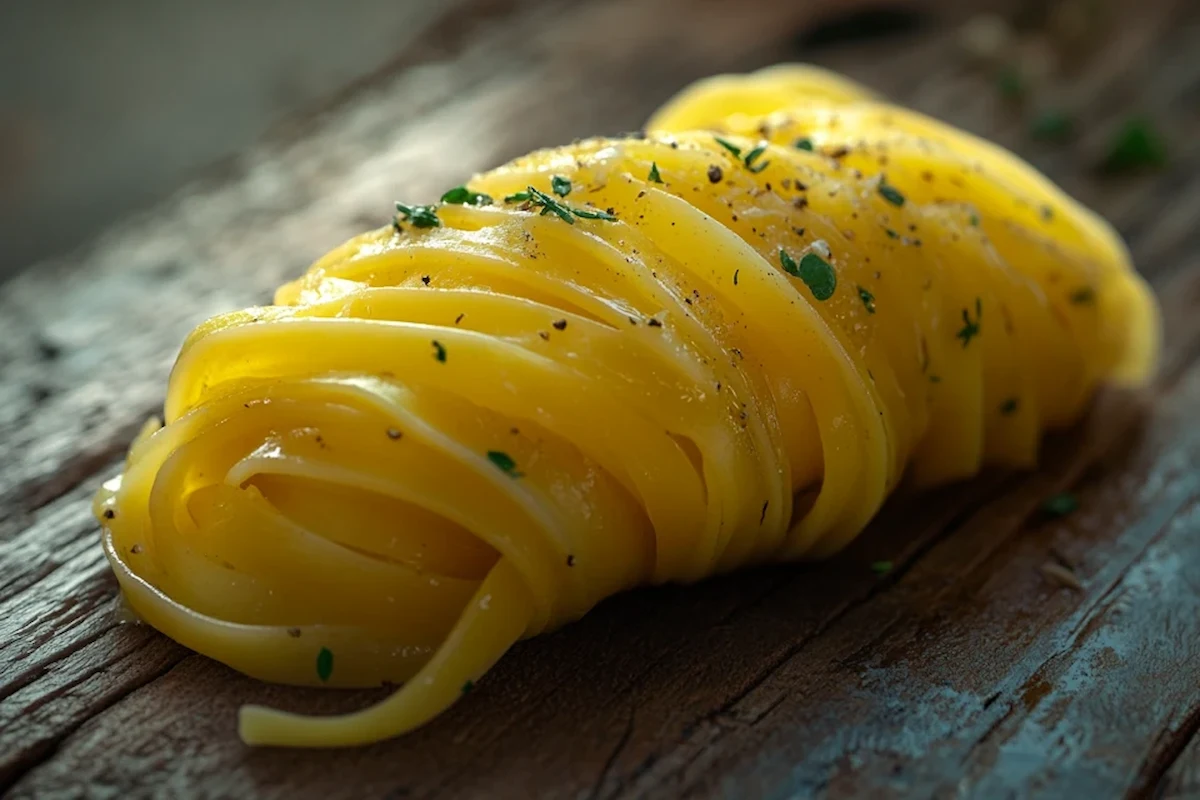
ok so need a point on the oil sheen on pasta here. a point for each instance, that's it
(609, 364)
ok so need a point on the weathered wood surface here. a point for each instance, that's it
(965, 671)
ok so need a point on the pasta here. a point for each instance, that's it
(619, 362)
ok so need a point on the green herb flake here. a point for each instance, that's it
(654, 177)
(803, 143)
(560, 186)
(730, 146)
(1010, 406)
(1011, 83)
(970, 328)
(518, 197)
(753, 156)
(467, 687)
(584, 213)
(439, 351)
(935, 379)
(1136, 144)
(1084, 296)
(891, 193)
(566, 213)
(1060, 505)
(974, 220)
(868, 299)
(882, 567)
(504, 461)
(419, 216)
(892, 234)
(324, 664)
(815, 271)
(1051, 126)
(462, 196)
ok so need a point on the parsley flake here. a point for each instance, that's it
(803, 143)
(654, 177)
(517, 197)
(890, 193)
(419, 216)
(560, 186)
(1010, 406)
(324, 664)
(439, 351)
(970, 328)
(505, 462)
(753, 155)
(815, 271)
(1135, 145)
(1051, 126)
(974, 220)
(730, 146)
(868, 299)
(1060, 505)
(467, 687)
(462, 196)
(882, 567)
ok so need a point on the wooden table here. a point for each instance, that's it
(965, 670)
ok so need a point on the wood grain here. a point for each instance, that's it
(964, 671)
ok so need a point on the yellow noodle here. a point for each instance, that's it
(444, 438)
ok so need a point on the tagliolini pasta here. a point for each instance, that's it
(609, 364)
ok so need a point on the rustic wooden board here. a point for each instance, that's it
(963, 671)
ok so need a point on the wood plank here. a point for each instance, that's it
(957, 672)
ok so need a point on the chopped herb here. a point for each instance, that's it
(934, 379)
(654, 323)
(974, 220)
(504, 461)
(324, 664)
(1010, 406)
(1011, 83)
(730, 146)
(560, 186)
(753, 155)
(467, 687)
(425, 279)
(814, 271)
(715, 174)
(803, 143)
(890, 193)
(970, 328)
(654, 176)
(882, 567)
(1135, 145)
(583, 213)
(1047, 213)
(892, 234)
(552, 206)
(419, 216)
(1051, 126)
(559, 325)
(868, 299)
(735, 276)
(1060, 505)
(462, 196)
(1084, 296)
(439, 352)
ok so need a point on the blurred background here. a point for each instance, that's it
(107, 108)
